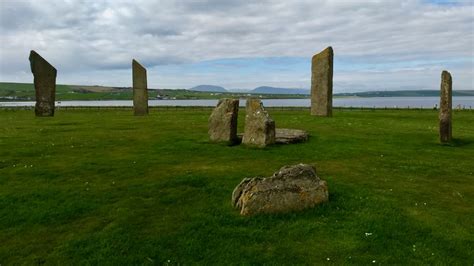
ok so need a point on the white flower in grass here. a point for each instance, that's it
(368, 234)
(328, 259)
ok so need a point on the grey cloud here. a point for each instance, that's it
(101, 35)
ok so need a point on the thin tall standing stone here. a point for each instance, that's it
(45, 84)
(140, 89)
(445, 110)
(321, 83)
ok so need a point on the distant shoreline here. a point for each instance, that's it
(25, 92)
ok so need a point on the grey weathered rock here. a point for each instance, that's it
(223, 121)
(45, 84)
(287, 135)
(445, 110)
(321, 83)
(292, 188)
(140, 89)
(259, 128)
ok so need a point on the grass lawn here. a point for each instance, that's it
(105, 187)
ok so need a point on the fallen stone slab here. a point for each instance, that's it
(292, 188)
(287, 136)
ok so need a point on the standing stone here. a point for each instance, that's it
(259, 128)
(45, 84)
(445, 107)
(140, 89)
(223, 121)
(321, 83)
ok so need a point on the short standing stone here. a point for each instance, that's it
(321, 83)
(259, 128)
(45, 84)
(292, 188)
(223, 121)
(140, 89)
(445, 110)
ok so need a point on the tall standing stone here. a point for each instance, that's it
(45, 84)
(223, 121)
(445, 109)
(140, 89)
(321, 83)
(259, 128)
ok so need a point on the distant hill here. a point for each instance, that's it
(208, 88)
(273, 90)
(405, 93)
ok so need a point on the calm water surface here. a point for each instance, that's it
(390, 102)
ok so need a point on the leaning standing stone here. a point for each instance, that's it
(445, 110)
(45, 84)
(321, 83)
(223, 121)
(140, 89)
(259, 128)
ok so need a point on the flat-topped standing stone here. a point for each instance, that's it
(321, 83)
(140, 89)
(45, 84)
(259, 128)
(445, 109)
(223, 121)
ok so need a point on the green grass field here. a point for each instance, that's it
(105, 187)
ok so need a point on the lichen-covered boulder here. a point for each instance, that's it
(223, 121)
(259, 130)
(292, 188)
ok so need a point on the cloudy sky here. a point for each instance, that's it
(378, 45)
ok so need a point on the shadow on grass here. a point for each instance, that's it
(458, 142)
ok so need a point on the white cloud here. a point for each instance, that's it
(85, 39)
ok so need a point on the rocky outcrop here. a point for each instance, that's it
(223, 121)
(259, 130)
(292, 188)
